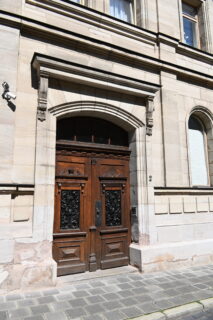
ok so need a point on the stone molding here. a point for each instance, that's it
(149, 115)
(51, 68)
(42, 96)
(93, 17)
(78, 107)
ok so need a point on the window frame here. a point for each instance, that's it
(195, 20)
(132, 11)
(205, 144)
(80, 2)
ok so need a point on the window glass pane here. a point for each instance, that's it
(121, 9)
(197, 153)
(189, 32)
(78, 1)
(189, 10)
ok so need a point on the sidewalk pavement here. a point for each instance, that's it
(122, 293)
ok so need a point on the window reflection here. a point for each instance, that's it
(197, 151)
(121, 9)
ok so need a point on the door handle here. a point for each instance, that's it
(98, 213)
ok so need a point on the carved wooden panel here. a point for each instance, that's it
(70, 209)
(70, 255)
(114, 251)
(70, 169)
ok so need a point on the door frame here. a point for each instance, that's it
(141, 189)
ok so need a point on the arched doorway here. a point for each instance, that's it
(92, 205)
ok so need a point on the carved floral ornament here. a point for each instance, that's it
(51, 68)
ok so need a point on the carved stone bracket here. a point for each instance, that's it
(42, 97)
(149, 114)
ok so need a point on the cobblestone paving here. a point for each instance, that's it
(115, 297)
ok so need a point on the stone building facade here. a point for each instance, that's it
(143, 66)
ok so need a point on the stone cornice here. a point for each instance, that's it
(32, 27)
(59, 69)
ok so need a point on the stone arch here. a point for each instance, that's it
(109, 112)
(206, 117)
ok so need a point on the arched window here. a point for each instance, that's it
(91, 130)
(198, 152)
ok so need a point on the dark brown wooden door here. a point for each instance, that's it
(92, 211)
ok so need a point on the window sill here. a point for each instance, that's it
(194, 52)
(199, 190)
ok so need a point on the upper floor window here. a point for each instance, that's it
(190, 25)
(198, 152)
(121, 9)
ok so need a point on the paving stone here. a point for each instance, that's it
(111, 305)
(95, 299)
(97, 284)
(76, 303)
(137, 284)
(164, 304)
(114, 315)
(186, 289)
(35, 294)
(3, 315)
(69, 288)
(40, 309)
(7, 305)
(113, 288)
(142, 290)
(143, 298)
(81, 293)
(62, 305)
(55, 316)
(82, 286)
(19, 313)
(125, 286)
(132, 312)
(14, 297)
(50, 292)
(94, 317)
(126, 293)
(65, 296)
(95, 308)
(171, 292)
(111, 296)
(26, 302)
(47, 299)
(122, 279)
(40, 317)
(96, 291)
(74, 313)
(128, 301)
(148, 307)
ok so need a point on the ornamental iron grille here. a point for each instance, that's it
(113, 207)
(70, 209)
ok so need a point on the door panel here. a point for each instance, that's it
(92, 216)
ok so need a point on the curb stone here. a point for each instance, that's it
(182, 310)
(185, 309)
(207, 303)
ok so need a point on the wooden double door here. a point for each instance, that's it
(92, 210)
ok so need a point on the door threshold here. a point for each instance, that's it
(96, 274)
